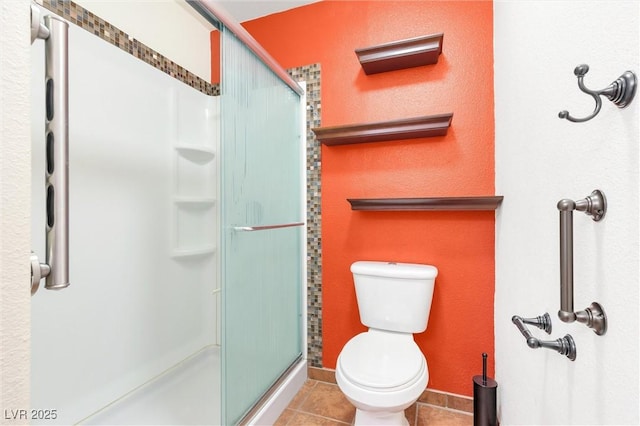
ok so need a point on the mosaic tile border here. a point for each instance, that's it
(311, 74)
(86, 20)
(81, 17)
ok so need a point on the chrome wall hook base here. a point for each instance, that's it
(620, 92)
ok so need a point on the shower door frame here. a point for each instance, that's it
(276, 399)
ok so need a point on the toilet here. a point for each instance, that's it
(382, 371)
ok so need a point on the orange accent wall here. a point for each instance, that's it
(216, 51)
(459, 244)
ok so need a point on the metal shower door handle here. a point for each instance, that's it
(55, 32)
(266, 227)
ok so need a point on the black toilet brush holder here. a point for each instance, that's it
(484, 398)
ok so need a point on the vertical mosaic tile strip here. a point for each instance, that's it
(88, 21)
(311, 74)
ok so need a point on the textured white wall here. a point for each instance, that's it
(15, 207)
(541, 159)
(170, 27)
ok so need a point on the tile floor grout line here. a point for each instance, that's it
(308, 413)
(325, 418)
(415, 415)
(301, 403)
(296, 410)
(288, 421)
(308, 393)
(453, 410)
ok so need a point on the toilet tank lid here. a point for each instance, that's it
(394, 269)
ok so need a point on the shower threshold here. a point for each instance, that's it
(186, 394)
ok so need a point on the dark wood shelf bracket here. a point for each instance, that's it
(412, 52)
(409, 128)
(422, 204)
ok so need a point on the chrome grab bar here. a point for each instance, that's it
(55, 32)
(593, 316)
(265, 227)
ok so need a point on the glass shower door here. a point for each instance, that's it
(262, 234)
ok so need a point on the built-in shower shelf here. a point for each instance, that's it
(195, 201)
(421, 204)
(408, 53)
(199, 251)
(195, 153)
(407, 128)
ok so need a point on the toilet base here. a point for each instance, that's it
(396, 418)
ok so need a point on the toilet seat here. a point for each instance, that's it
(382, 361)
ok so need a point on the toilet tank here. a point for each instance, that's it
(394, 296)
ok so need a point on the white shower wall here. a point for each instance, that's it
(143, 231)
(541, 159)
(171, 27)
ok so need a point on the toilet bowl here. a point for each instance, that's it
(381, 374)
(382, 371)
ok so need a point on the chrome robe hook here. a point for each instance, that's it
(620, 92)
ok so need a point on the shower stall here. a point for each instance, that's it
(186, 233)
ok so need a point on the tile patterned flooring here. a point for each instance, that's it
(322, 403)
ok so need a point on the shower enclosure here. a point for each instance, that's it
(186, 240)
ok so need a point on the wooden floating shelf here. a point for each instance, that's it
(408, 128)
(420, 204)
(412, 52)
